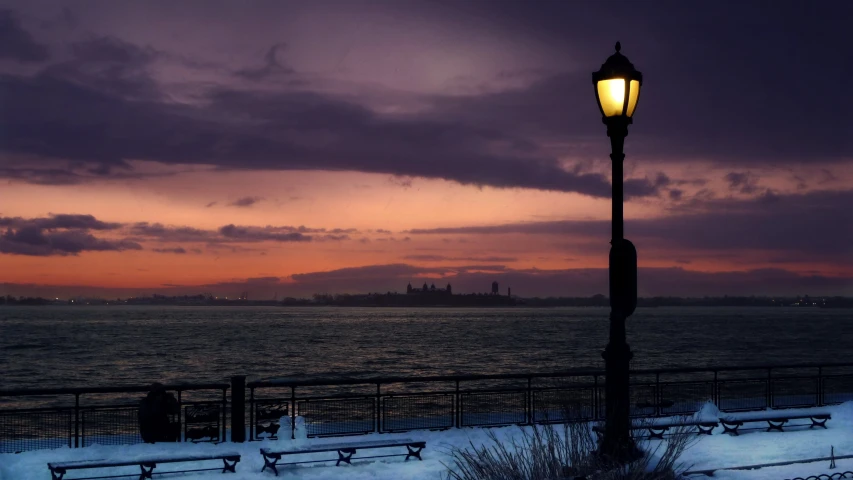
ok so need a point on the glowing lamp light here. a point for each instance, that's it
(617, 86)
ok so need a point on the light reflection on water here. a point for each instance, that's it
(42, 347)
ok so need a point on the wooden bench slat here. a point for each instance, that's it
(773, 415)
(333, 447)
(102, 463)
(146, 464)
(732, 423)
(679, 424)
(345, 451)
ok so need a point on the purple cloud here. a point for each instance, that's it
(439, 258)
(245, 201)
(261, 234)
(236, 233)
(66, 221)
(35, 241)
(744, 182)
(62, 234)
(176, 250)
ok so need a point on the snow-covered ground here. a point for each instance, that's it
(714, 451)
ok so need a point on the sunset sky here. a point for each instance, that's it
(297, 147)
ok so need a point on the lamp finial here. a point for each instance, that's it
(618, 46)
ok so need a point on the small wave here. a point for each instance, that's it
(24, 346)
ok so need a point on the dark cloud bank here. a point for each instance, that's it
(691, 106)
(71, 235)
(58, 235)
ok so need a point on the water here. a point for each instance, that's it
(43, 347)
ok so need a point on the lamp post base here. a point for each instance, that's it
(617, 444)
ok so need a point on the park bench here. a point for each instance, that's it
(345, 451)
(146, 464)
(775, 420)
(657, 429)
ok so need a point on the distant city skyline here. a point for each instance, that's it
(294, 148)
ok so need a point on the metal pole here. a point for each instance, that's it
(617, 443)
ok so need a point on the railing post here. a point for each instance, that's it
(76, 420)
(530, 414)
(595, 397)
(251, 413)
(378, 408)
(182, 426)
(769, 389)
(657, 395)
(224, 436)
(293, 413)
(715, 395)
(458, 420)
(819, 386)
(238, 408)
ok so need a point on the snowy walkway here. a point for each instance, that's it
(715, 451)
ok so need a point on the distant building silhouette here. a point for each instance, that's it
(428, 290)
(433, 290)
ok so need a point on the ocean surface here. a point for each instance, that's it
(59, 346)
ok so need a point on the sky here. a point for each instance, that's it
(286, 148)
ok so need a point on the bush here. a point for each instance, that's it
(546, 452)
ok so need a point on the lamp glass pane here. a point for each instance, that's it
(611, 94)
(633, 94)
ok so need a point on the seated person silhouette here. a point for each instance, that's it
(154, 412)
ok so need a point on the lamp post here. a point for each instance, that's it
(617, 89)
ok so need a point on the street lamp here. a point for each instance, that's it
(617, 89)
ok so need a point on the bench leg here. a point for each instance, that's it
(732, 429)
(775, 425)
(704, 430)
(413, 453)
(268, 463)
(657, 432)
(146, 473)
(818, 423)
(57, 474)
(232, 467)
(345, 458)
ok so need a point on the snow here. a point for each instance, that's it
(709, 451)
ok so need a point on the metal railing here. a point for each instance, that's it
(79, 417)
(351, 406)
(49, 418)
